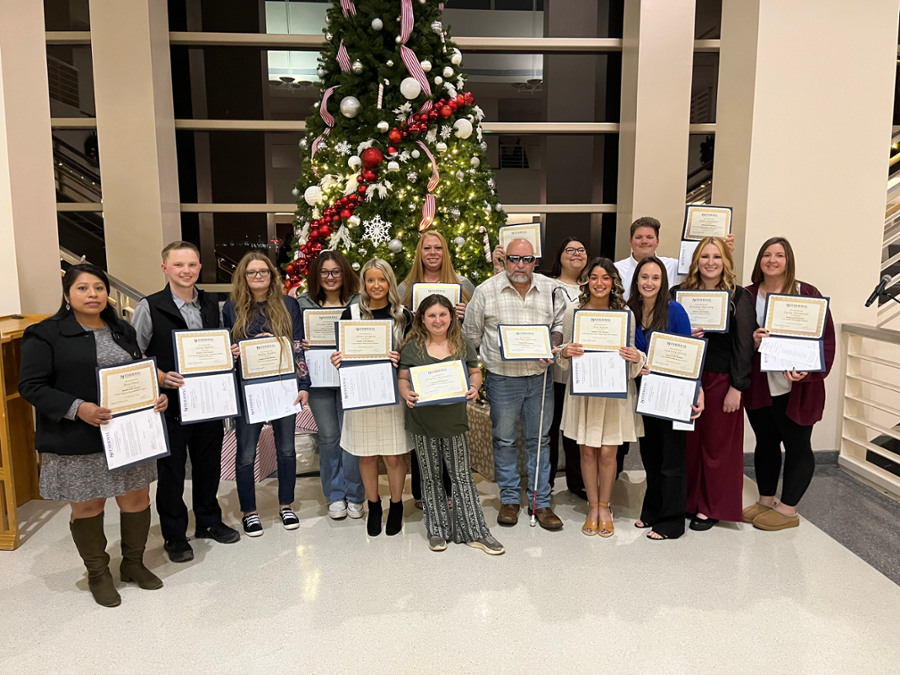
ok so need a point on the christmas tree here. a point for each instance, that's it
(394, 146)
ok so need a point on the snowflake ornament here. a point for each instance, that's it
(343, 147)
(377, 230)
(446, 131)
(403, 156)
(431, 136)
(479, 113)
(403, 112)
(454, 213)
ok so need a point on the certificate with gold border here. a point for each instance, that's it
(266, 357)
(318, 326)
(420, 291)
(202, 351)
(601, 330)
(709, 310)
(525, 342)
(529, 231)
(131, 386)
(678, 355)
(798, 316)
(365, 340)
(435, 383)
(703, 220)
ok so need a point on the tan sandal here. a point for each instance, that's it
(607, 528)
(590, 527)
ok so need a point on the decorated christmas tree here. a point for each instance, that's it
(394, 146)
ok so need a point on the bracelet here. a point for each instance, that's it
(159, 377)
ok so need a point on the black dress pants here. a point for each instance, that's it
(204, 443)
(662, 452)
(574, 480)
(415, 478)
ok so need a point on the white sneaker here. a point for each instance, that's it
(337, 510)
(355, 510)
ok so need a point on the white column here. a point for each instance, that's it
(657, 62)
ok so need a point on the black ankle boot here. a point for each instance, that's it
(395, 519)
(373, 524)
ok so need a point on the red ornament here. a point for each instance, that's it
(369, 175)
(359, 179)
(470, 98)
(405, 134)
(394, 135)
(453, 106)
(289, 268)
(313, 235)
(334, 219)
(324, 231)
(346, 213)
(287, 286)
(446, 112)
(372, 157)
(361, 189)
(392, 150)
(460, 99)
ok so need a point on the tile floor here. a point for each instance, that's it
(326, 599)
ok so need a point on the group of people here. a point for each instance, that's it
(697, 472)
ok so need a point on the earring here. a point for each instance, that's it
(67, 307)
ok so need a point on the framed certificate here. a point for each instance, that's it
(601, 329)
(202, 351)
(453, 292)
(525, 342)
(370, 385)
(677, 355)
(703, 220)
(603, 374)
(266, 357)
(668, 398)
(131, 386)
(529, 231)
(437, 383)
(709, 310)
(797, 316)
(318, 326)
(778, 354)
(365, 340)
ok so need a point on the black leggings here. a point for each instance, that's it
(574, 481)
(773, 427)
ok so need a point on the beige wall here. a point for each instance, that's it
(802, 139)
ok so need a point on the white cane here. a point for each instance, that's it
(537, 464)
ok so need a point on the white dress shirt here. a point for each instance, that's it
(627, 266)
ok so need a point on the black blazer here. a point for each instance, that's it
(59, 361)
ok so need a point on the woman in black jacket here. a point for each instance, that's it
(58, 377)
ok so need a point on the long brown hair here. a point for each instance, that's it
(278, 320)
(790, 266)
(349, 282)
(616, 293)
(396, 309)
(661, 306)
(419, 334)
(417, 271)
(726, 281)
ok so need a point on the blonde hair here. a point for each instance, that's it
(278, 320)
(396, 309)
(417, 271)
(419, 334)
(726, 281)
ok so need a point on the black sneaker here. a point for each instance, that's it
(252, 526)
(220, 532)
(289, 519)
(179, 550)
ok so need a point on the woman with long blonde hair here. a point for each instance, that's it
(258, 308)
(714, 450)
(371, 433)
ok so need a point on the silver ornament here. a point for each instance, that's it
(383, 126)
(295, 192)
(350, 107)
(483, 146)
(395, 245)
(327, 20)
(321, 72)
(390, 64)
(355, 266)
(437, 27)
(448, 72)
(475, 162)
(377, 24)
(441, 147)
(328, 37)
(363, 251)
(426, 66)
(460, 175)
(357, 67)
(303, 144)
(472, 171)
(499, 207)
(459, 241)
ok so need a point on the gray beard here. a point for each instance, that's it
(518, 278)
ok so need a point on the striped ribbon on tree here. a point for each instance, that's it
(429, 208)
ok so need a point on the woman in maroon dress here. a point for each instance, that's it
(715, 449)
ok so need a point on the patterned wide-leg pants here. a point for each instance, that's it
(467, 522)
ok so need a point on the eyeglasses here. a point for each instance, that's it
(334, 274)
(516, 259)
(257, 273)
(573, 251)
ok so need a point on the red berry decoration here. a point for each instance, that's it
(394, 135)
(372, 157)
(446, 112)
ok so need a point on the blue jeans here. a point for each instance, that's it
(512, 398)
(247, 440)
(337, 467)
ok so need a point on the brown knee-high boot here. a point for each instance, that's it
(135, 527)
(91, 543)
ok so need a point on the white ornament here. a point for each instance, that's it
(403, 156)
(463, 128)
(328, 37)
(303, 144)
(454, 213)
(448, 72)
(475, 162)
(355, 266)
(415, 154)
(354, 162)
(395, 245)
(353, 221)
(377, 24)
(456, 59)
(459, 241)
(350, 107)
(295, 192)
(446, 131)
(393, 166)
(321, 72)
(460, 175)
(438, 80)
(377, 230)
(389, 64)
(410, 88)
(327, 20)
(313, 195)
(425, 65)
(357, 67)
(499, 207)
(412, 176)
(383, 126)
(441, 147)
(431, 136)
(398, 39)
(490, 183)
(437, 27)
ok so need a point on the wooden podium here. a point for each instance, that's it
(18, 459)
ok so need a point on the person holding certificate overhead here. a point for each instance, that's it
(439, 372)
(332, 284)
(60, 356)
(599, 424)
(516, 388)
(662, 448)
(722, 312)
(370, 433)
(783, 406)
(258, 308)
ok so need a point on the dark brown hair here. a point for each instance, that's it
(556, 270)
(790, 266)
(616, 293)
(661, 307)
(646, 221)
(349, 280)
